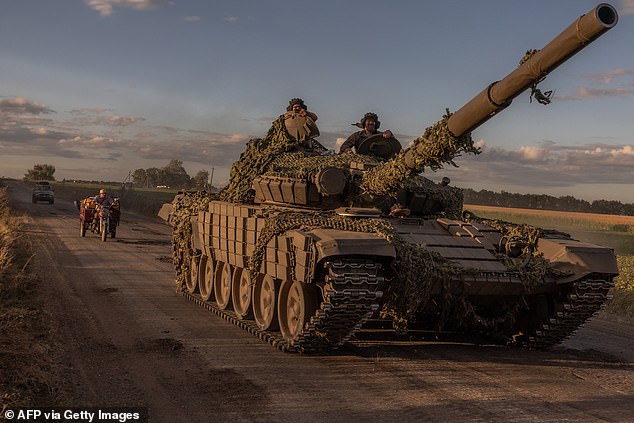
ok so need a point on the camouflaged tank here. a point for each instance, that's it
(302, 248)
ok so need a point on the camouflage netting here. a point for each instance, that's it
(416, 268)
(184, 207)
(527, 56)
(451, 198)
(255, 160)
(434, 149)
(531, 266)
(299, 165)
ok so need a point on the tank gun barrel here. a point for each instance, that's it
(499, 95)
(449, 137)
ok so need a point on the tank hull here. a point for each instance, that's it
(343, 278)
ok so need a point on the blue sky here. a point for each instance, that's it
(98, 88)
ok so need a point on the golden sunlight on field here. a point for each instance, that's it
(565, 216)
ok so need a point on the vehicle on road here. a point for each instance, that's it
(102, 220)
(43, 191)
(302, 249)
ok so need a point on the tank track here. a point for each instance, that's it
(351, 295)
(350, 299)
(584, 300)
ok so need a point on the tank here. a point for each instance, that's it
(303, 248)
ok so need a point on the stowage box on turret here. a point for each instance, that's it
(302, 248)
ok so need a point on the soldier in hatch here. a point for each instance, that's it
(369, 126)
(300, 123)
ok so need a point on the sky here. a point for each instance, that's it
(99, 88)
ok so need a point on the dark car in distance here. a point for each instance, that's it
(43, 192)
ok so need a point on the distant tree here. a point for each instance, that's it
(175, 175)
(139, 177)
(200, 180)
(153, 177)
(40, 172)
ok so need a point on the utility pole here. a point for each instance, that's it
(211, 179)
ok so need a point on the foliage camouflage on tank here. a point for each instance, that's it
(434, 149)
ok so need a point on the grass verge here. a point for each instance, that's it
(29, 373)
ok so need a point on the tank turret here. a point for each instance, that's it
(303, 247)
(279, 170)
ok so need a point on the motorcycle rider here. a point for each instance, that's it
(101, 200)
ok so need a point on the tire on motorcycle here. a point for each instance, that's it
(113, 233)
(82, 228)
(102, 230)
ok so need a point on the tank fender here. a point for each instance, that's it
(311, 247)
(334, 242)
(165, 213)
(577, 259)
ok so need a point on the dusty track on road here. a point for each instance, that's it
(130, 340)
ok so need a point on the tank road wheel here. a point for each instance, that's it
(241, 290)
(82, 228)
(206, 277)
(297, 304)
(265, 302)
(191, 278)
(222, 285)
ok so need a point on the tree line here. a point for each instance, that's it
(173, 175)
(546, 202)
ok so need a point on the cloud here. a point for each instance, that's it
(106, 7)
(231, 19)
(88, 111)
(338, 143)
(208, 148)
(627, 7)
(548, 165)
(192, 18)
(601, 89)
(533, 154)
(96, 117)
(608, 76)
(587, 92)
(21, 105)
(95, 141)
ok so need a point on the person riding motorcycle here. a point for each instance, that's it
(101, 200)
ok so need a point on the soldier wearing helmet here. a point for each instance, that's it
(369, 125)
(300, 123)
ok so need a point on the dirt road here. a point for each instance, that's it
(130, 340)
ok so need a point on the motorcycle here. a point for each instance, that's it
(102, 220)
(106, 222)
